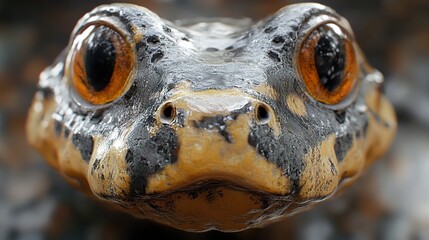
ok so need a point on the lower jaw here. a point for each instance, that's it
(209, 206)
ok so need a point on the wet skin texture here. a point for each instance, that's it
(212, 124)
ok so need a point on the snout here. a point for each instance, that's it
(215, 159)
(214, 143)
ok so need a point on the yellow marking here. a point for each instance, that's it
(321, 173)
(110, 177)
(138, 35)
(206, 155)
(296, 105)
(353, 163)
(58, 151)
(379, 137)
(39, 130)
(184, 86)
(71, 164)
(267, 91)
(376, 142)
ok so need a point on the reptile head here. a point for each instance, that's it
(211, 124)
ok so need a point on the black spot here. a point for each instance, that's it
(100, 58)
(85, 144)
(365, 128)
(333, 169)
(219, 123)
(66, 132)
(340, 116)
(274, 56)
(180, 117)
(138, 167)
(97, 117)
(262, 138)
(148, 155)
(171, 86)
(166, 29)
(278, 40)
(229, 48)
(342, 146)
(166, 144)
(46, 92)
(130, 93)
(157, 56)
(73, 122)
(286, 152)
(58, 126)
(215, 123)
(185, 39)
(292, 35)
(270, 29)
(141, 44)
(95, 165)
(152, 40)
(211, 49)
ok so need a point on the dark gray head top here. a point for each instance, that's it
(213, 123)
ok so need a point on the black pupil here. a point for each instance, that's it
(330, 57)
(100, 58)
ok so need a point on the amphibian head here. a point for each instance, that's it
(211, 124)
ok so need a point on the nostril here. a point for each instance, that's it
(262, 113)
(168, 113)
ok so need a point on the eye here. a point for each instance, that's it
(101, 65)
(327, 64)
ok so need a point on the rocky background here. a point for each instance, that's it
(391, 201)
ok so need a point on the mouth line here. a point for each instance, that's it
(211, 185)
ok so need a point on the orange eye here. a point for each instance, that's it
(327, 64)
(101, 64)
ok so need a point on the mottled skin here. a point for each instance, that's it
(221, 163)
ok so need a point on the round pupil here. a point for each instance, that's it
(100, 58)
(330, 58)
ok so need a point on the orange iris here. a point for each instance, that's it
(101, 65)
(327, 64)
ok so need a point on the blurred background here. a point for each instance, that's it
(391, 201)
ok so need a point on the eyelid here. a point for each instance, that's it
(109, 21)
(315, 22)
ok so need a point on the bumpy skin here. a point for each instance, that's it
(216, 165)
